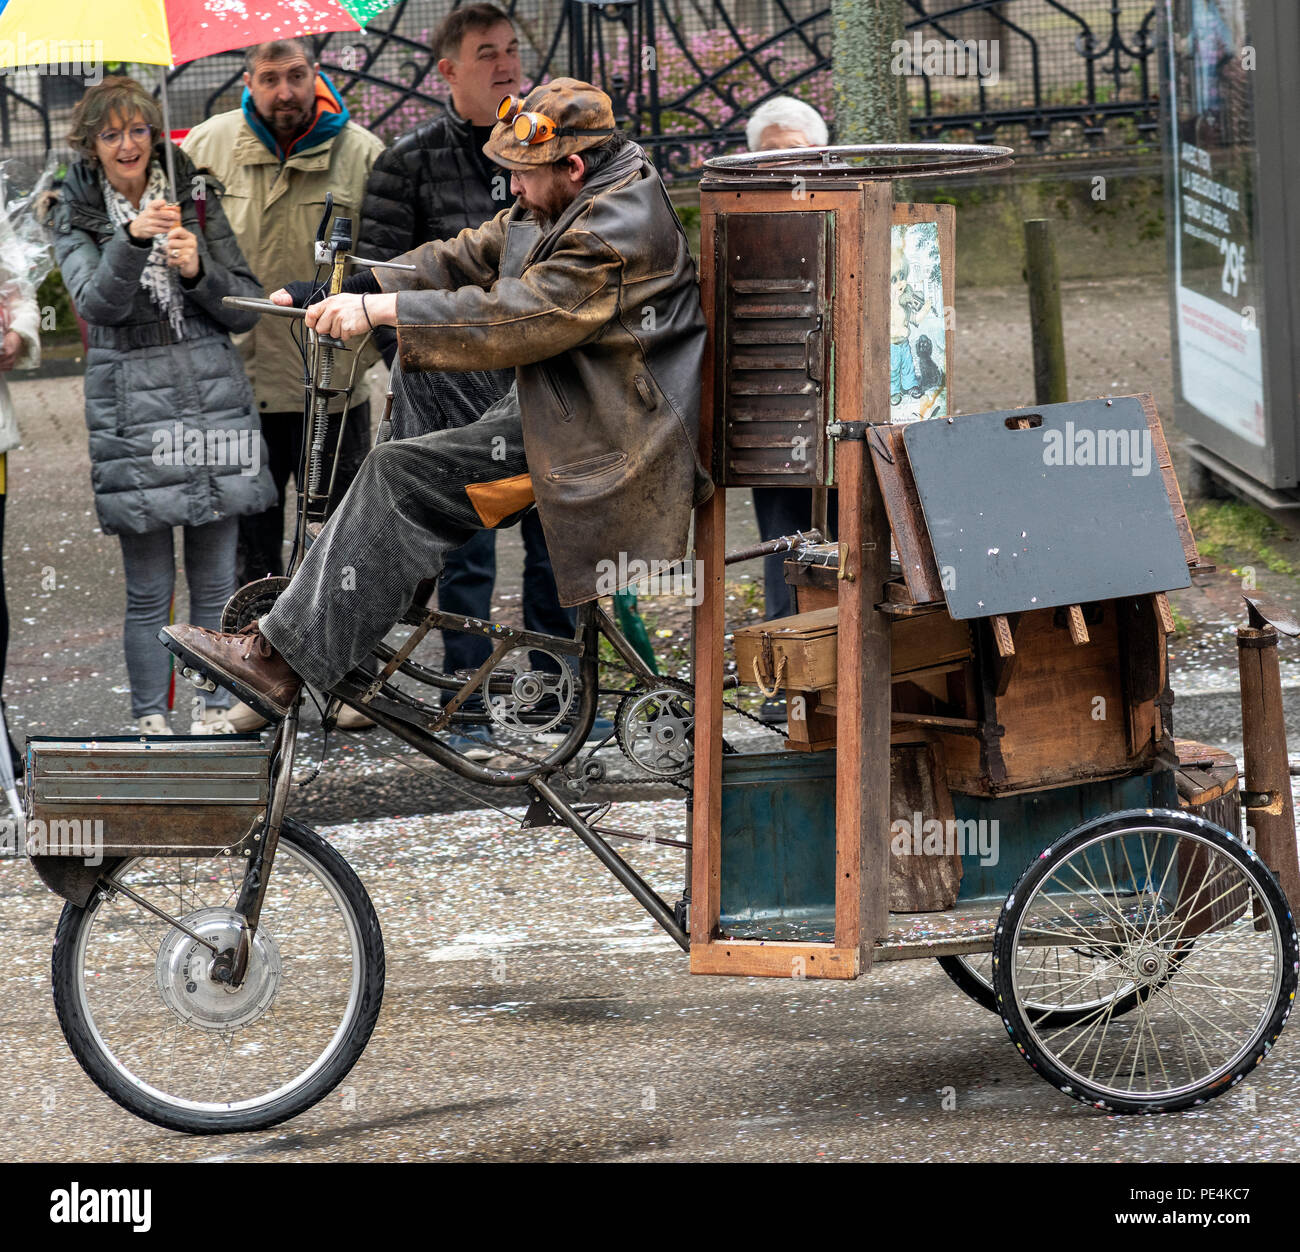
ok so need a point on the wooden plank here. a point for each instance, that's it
(1002, 636)
(811, 729)
(862, 393)
(893, 472)
(1063, 713)
(1078, 627)
(1160, 452)
(1267, 774)
(754, 958)
(707, 637)
(1204, 774)
(1165, 614)
(1143, 667)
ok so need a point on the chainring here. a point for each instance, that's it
(655, 732)
(515, 697)
(251, 601)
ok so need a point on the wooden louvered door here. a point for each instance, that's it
(773, 329)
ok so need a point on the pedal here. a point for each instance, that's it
(203, 684)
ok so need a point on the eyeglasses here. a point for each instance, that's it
(531, 127)
(114, 138)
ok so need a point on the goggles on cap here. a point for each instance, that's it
(532, 127)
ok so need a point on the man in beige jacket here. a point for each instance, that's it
(277, 156)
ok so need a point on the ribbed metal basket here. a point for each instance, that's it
(159, 795)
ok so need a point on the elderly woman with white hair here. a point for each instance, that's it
(782, 122)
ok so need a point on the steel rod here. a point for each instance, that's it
(639, 889)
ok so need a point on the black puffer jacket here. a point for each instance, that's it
(431, 184)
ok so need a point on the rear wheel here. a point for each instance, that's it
(181, 1050)
(1172, 910)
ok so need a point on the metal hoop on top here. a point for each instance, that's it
(856, 163)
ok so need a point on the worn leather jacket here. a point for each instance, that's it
(599, 313)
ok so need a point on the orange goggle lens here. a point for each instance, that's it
(534, 128)
(509, 108)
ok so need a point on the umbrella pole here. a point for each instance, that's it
(167, 136)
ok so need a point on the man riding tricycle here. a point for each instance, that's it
(223, 968)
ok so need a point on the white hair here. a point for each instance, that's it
(790, 113)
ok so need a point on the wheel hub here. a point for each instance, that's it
(183, 971)
(1148, 965)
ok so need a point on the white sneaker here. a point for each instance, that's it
(242, 718)
(154, 724)
(352, 719)
(213, 725)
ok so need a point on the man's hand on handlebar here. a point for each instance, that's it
(344, 316)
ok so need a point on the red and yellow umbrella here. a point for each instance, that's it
(163, 32)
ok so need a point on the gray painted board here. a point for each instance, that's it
(1072, 510)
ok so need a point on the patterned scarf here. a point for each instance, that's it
(161, 281)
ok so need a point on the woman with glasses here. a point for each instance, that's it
(174, 436)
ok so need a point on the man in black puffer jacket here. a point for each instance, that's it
(431, 184)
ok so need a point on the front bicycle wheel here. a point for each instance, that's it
(180, 1050)
(1171, 908)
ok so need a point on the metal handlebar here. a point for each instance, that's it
(263, 306)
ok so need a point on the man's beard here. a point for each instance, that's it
(546, 215)
(288, 124)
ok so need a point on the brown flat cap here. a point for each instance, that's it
(582, 114)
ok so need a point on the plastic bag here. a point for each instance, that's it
(25, 253)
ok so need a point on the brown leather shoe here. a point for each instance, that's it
(244, 663)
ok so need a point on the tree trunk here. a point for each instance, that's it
(870, 100)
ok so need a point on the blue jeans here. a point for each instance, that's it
(902, 368)
(465, 588)
(149, 562)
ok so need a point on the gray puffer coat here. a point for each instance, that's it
(175, 439)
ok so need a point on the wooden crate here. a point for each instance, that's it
(803, 647)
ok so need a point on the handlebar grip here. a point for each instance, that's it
(263, 306)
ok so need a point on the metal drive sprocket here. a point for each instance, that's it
(656, 732)
(251, 601)
(529, 701)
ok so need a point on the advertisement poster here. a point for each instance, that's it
(1216, 280)
(918, 385)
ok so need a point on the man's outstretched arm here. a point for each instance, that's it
(557, 304)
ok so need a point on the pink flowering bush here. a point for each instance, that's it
(740, 76)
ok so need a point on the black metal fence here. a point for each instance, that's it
(1047, 77)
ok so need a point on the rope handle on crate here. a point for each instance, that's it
(776, 678)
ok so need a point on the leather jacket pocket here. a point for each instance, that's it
(588, 468)
(562, 406)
